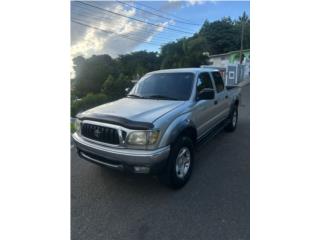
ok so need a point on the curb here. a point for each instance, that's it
(244, 83)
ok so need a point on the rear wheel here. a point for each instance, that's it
(233, 120)
(180, 163)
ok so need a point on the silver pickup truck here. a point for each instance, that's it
(156, 127)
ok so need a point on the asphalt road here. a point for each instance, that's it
(215, 204)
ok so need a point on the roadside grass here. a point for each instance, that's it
(72, 127)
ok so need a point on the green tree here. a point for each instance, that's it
(244, 19)
(115, 88)
(184, 53)
(139, 62)
(91, 73)
(222, 36)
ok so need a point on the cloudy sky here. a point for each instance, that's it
(119, 27)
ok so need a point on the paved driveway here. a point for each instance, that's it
(215, 204)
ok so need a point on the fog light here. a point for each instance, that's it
(141, 169)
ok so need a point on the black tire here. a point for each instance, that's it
(169, 176)
(233, 116)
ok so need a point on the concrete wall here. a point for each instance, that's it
(224, 60)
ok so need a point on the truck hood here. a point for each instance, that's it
(142, 110)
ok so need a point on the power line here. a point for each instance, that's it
(103, 18)
(111, 32)
(139, 20)
(79, 15)
(155, 14)
(157, 10)
(88, 11)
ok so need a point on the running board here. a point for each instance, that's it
(212, 133)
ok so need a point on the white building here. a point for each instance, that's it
(225, 59)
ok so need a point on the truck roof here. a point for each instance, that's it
(192, 70)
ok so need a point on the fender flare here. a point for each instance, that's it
(235, 102)
(176, 128)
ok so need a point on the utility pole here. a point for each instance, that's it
(241, 43)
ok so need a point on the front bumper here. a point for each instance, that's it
(121, 158)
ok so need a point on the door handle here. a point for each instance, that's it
(215, 102)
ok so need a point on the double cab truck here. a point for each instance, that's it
(156, 127)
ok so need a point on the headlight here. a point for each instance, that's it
(143, 137)
(78, 125)
(153, 137)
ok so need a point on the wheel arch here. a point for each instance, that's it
(236, 102)
(191, 132)
(179, 127)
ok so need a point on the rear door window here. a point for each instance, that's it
(218, 81)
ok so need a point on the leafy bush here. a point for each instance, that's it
(72, 127)
(89, 101)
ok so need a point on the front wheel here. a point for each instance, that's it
(180, 164)
(233, 120)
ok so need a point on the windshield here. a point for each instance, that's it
(168, 86)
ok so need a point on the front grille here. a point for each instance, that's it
(100, 133)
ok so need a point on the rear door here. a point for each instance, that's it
(204, 109)
(222, 101)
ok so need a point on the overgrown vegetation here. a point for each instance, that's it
(100, 78)
(88, 101)
(72, 127)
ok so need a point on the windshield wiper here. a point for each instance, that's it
(162, 97)
(135, 96)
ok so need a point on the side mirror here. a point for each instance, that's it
(206, 94)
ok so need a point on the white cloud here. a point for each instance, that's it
(88, 45)
(189, 2)
(194, 2)
(87, 41)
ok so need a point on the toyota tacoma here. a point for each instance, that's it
(156, 127)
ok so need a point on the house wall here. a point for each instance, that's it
(234, 57)
(230, 58)
(219, 61)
